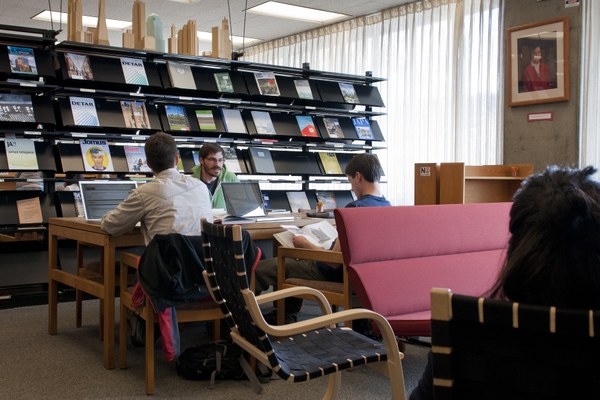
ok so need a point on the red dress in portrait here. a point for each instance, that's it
(532, 81)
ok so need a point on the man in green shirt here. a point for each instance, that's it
(212, 171)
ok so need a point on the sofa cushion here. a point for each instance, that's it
(396, 287)
(371, 234)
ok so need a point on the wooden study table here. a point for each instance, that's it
(88, 234)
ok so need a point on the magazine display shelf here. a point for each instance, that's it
(26, 114)
(56, 131)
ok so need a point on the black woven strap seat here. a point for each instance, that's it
(492, 349)
(325, 351)
(302, 350)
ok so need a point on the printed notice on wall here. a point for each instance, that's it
(571, 3)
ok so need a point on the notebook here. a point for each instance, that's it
(99, 197)
(244, 204)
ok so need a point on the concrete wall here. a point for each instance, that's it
(544, 142)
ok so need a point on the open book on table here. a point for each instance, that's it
(321, 234)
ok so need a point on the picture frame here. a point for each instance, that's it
(538, 62)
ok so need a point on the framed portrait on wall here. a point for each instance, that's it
(538, 62)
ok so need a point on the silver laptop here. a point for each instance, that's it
(99, 197)
(244, 201)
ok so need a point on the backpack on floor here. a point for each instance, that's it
(211, 361)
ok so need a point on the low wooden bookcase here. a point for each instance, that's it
(456, 183)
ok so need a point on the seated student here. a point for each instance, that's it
(170, 203)
(363, 172)
(553, 255)
(213, 171)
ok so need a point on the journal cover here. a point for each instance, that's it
(231, 160)
(29, 211)
(84, 111)
(348, 93)
(233, 121)
(79, 67)
(303, 89)
(22, 60)
(333, 128)
(261, 160)
(267, 83)
(135, 114)
(177, 118)
(78, 204)
(266, 200)
(206, 120)
(134, 71)
(298, 201)
(180, 167)
(16, 108)
(20, 154)
(96, 155)
(136, 159)
(181, 75)
(262, 122)
(307, 126)
(330, 163)
(328, 199)
(363, 128)
(223, 81)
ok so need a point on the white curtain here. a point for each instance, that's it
(443, 95)
(589, 117)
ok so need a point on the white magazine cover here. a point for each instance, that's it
(134, 71)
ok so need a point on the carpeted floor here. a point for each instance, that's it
(36, 365)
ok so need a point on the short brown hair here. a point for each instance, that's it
(368, 166)
(161, 152)
(208, 149)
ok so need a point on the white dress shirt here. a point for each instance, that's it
(170, 203)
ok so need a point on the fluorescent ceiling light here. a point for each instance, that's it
(112, 24)
(235, 40)
(280, 10)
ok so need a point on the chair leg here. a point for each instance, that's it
(216, 330)
(123, 336)
(334, 381)
(78, 312)
(78, 293)
(149, 349)
(396, 378)
(101, 318)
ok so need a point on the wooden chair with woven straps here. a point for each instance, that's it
(298, 351)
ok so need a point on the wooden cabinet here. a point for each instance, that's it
(456, 183)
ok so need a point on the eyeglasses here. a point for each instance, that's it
(215, 160)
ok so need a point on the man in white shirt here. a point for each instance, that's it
(170, 203)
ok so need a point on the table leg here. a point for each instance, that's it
(52, 285)
(109, 305)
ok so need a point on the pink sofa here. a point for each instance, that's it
(395, 255)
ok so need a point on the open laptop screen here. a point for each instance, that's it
(99, 197)
(243, 199)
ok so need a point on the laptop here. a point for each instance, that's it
(99, 197)
(244, 204)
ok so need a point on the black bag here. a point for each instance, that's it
(216, 360)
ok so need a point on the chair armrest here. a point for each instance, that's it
(298, 291)
(326, 256)
(323, 321)
(310, 254)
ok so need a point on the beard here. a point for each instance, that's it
(214, 172)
